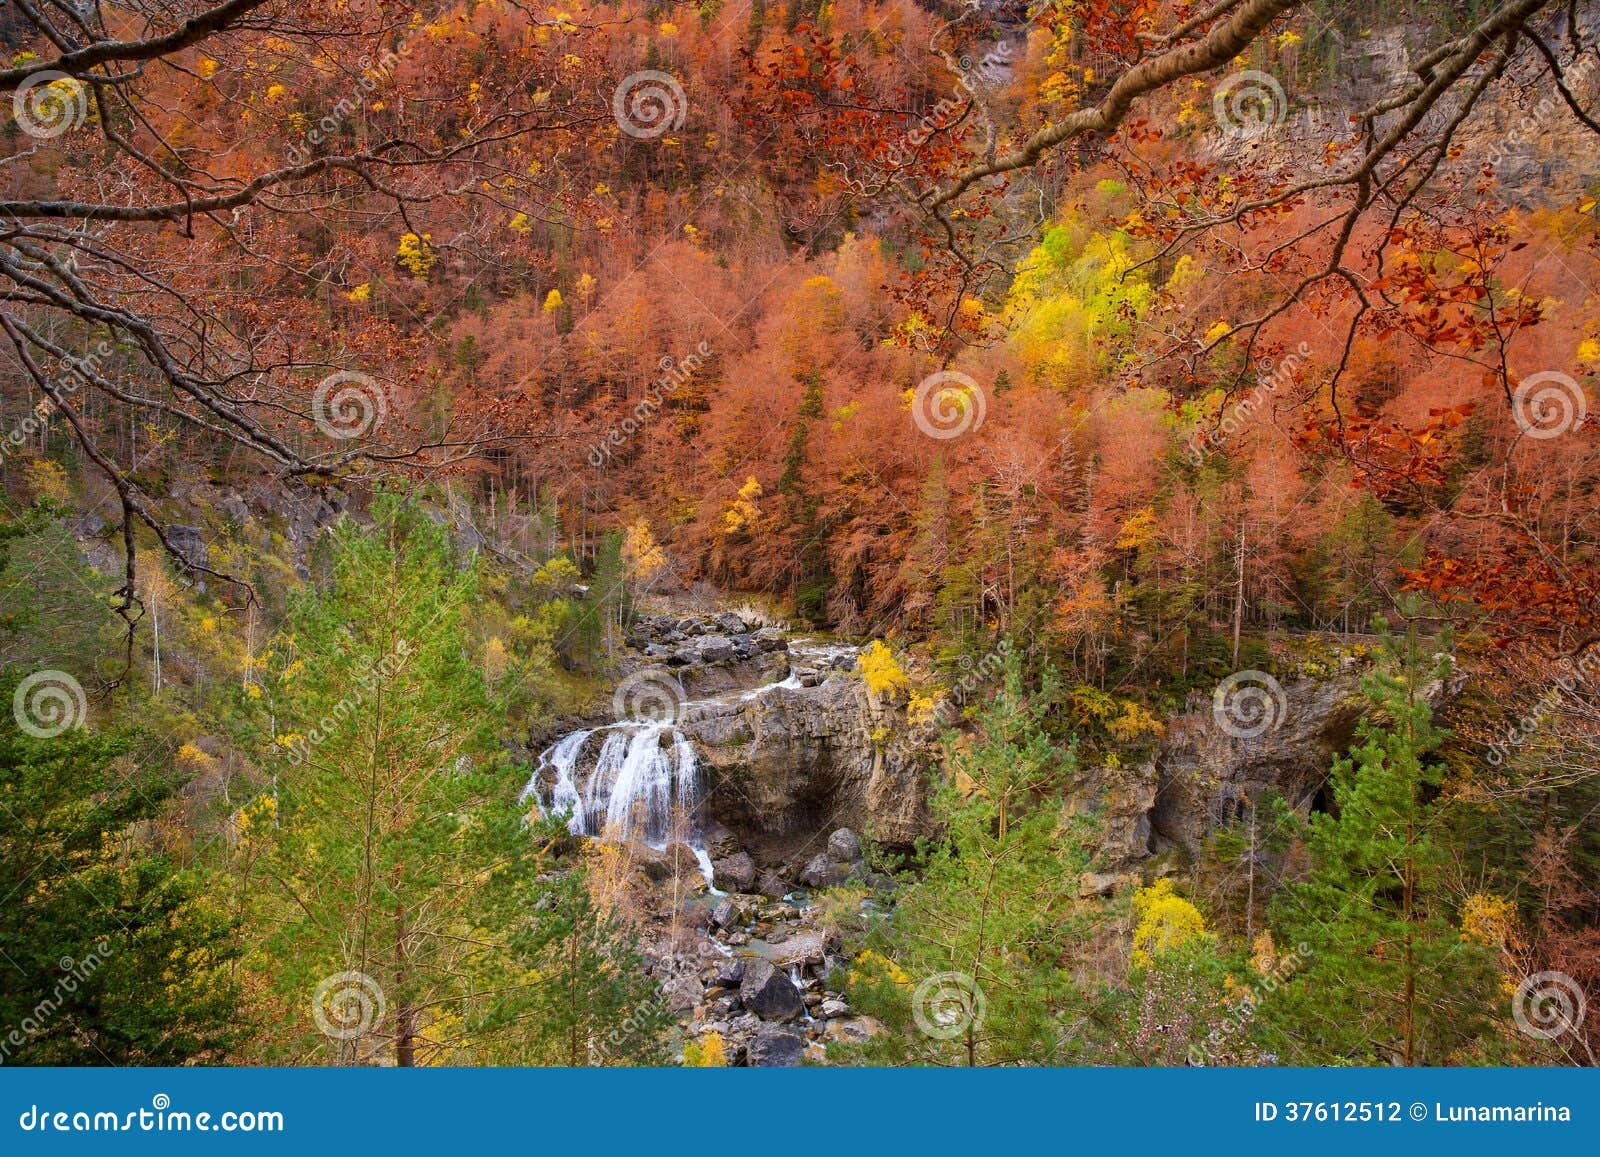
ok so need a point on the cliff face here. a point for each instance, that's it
(790, 747)
(1537, 151)
(1205, 778)
(789, 766)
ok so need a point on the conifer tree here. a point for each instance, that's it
(113, 952)
(398, 858)
(594, 1003)
(972, 970)
(1390, 978)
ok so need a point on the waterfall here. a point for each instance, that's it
(645, 780)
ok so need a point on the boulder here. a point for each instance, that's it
(823, 872)
(801, 948)
(768, 993)
(678, 860)
(727, 912)
(730, 973)
(844, 847)
(833, 1009)
(682, 992)
(234, 509)
(190, 542)
(719, 841)
(730, 624)
(769, 639)
(853, 1029)
(772, 885)
(734, 873)
(775, 1047)
(1097, 884)
(716, 649)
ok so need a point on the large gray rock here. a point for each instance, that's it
(735, 873)
(777, 765)
(844, 847)
(682, 992)
(730, 624)
(772, 886)
(234, 508)
(823, 872)
(190, 542)
(727, 912)
(775, 1047)
(715, 649)
(801, 948)
(769, 639)
(768, 993)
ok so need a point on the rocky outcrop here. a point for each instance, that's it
(1521, 131)
(1203, 778)
(838, 863)
(1206, 778)
(768, 993)
(774, 1047)
(787, 747)
(800, 760)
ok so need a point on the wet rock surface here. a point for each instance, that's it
(753, 969)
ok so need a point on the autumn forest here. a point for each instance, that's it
(800, 532)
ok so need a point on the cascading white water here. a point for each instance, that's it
(645, 784)
(640, 789)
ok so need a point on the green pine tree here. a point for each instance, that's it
(972, 969)
(1390, 979)
(594, 1003)
(111, 952)
(396, 861)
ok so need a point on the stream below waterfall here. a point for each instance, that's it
(645, 784)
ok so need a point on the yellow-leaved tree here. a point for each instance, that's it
(1166, 922)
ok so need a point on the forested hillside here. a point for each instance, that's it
(827, 532)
